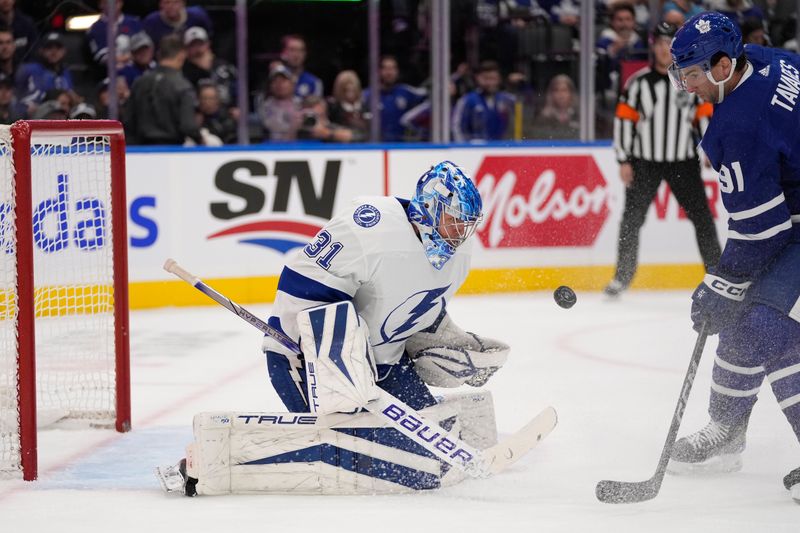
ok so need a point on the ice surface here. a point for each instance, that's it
(612, 369)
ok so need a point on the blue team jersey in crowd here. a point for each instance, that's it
(157, 29)
(753, 141)
(33, 80)
(395, 102)
(478, 117)
(127, 25)
(307, 84)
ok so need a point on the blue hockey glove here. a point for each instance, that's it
(717, 302)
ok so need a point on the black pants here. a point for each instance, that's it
(687, 185)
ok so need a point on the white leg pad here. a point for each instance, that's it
(240, 452)
(228, 444)
(475, 411)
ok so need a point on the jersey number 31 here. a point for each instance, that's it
(319, 245)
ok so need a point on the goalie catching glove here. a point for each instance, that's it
(449, 356)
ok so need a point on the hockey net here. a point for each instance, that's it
(63, 299)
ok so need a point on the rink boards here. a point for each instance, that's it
(232, 215)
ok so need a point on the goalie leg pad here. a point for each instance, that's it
(301, 453)
(475, 412)
(340, 367)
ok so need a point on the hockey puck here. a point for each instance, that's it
(565, 297)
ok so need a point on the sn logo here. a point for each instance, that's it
(51, 225)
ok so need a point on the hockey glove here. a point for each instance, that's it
(717, 302)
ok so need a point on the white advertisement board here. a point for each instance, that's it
(235, 214)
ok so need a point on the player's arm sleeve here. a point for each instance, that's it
(329, 269)
(415, 118)
(625, 119)
(187, 102)
(759, 220)
(460, 120)
(28, 84)
(96, 37)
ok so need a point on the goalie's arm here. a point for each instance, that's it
(325, 271)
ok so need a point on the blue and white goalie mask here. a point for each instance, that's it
(697, 42)
(446, 210)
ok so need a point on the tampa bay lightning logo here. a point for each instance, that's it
(419, 308)
(367, 216)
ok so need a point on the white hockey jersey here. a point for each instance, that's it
(371, 255)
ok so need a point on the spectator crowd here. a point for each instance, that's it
(516, 80)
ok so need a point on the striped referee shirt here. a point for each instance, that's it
(656, 122)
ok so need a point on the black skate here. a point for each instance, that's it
(717, 448)
(615, 288)
(792, 483)
(174, 479)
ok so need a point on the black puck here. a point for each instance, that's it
(565, 297)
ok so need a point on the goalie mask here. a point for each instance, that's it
(445, 209)
(697, 42)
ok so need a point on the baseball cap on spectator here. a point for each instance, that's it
(49, 109)
(195, 33)
(123, 45)
(279, 70)
(83, 110)
(53, 39)
(140, 40)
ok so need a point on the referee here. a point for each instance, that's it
(656, 128)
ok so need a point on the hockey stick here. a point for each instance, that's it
(441, 443)
(608, 491)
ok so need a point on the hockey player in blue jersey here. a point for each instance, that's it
(390, 266)
(752, 297)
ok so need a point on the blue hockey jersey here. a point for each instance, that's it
(753, 141)
(97, 35)
(478, 116)
(307, 84)
(33, 80)
(394, 103)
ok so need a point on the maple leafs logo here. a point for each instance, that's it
(703, 26)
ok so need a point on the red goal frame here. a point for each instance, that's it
(21, 133)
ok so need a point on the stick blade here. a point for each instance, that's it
(608, 491)
(510, 450)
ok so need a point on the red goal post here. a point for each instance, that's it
(64, 333)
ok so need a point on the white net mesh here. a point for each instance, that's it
(73, 286)
(73, 276)
(9, 409)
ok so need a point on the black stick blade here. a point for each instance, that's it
(626, 492)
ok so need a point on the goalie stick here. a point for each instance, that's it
(608, 491)
(445, 446)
